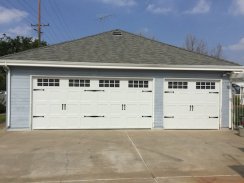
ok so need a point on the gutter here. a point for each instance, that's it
(92, 65)
(8, 90)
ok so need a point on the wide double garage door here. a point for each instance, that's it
(85, 103)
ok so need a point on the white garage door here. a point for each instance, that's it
(191, 104)
(77, 103)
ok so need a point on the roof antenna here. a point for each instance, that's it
(104, 17)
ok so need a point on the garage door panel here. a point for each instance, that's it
(56, 122)
(73, 122)
(54, 109)
(74, 95)
(39, 123)
(40, 108)
(73, 109)
(177, 109)
(177, 98)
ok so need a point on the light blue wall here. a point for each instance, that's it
(20, 89)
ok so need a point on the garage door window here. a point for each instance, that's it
(47, 82)
(109, 83)
(177, 85)
(205, 85)
(79, 83)
(137, 84)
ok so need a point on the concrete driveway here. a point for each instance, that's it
(141, 156)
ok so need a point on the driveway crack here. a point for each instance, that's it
(66, 162)
(139, 154)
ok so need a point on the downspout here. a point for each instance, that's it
(8, 90)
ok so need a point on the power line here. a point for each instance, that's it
(62, 19)
(67, 33)
(58, 25)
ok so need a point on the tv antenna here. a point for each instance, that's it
(104, 17)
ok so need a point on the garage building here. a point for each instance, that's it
(117, 80)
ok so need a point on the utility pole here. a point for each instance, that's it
(39, 25)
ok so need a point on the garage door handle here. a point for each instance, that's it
(169, 117)
(214, 92)
(94, 116)
(146, 90)
(146, 116)
(213, 117)
(38, 89)
(94, 90)
(63, 107)
(38, 116)
(169, 92)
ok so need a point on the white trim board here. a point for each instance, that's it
(89, 65)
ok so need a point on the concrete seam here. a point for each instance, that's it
(90, 180)
(193, 176)
(138, 152)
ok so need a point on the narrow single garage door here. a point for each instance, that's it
(191, 104)
(78, 103)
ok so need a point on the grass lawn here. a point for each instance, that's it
(2, 120)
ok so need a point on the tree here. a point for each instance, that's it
(200, 46)
(217, 52)
(10, 45)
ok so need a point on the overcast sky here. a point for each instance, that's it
(169, 21)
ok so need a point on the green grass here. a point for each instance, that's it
(2, 120)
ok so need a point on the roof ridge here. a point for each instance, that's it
(180, 48)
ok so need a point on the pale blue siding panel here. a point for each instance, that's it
(225, 103)
(20, 88)
(158, 103)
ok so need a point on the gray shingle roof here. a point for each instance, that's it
(108, 48)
